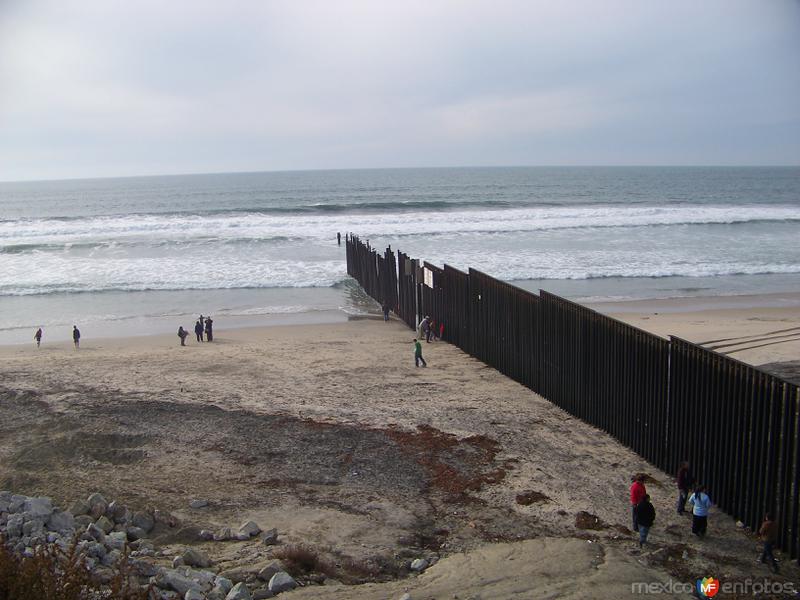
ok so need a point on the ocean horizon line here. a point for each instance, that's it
(395, 168)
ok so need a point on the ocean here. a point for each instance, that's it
(143, 255)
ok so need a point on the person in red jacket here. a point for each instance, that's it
(638, 492)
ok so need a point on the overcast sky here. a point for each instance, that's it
(103, 88)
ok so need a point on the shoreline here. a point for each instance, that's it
(698, 320)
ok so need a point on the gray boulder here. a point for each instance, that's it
(262, 594)
(239, 592)
(97, 505)
(281, 582)
(266, 573)
(39, 508)
(144, 521)
(270, 537)
(79, 507)
(94, 532)
(419, 565)
(223, 583)
(172, 579)
(194, 595)
(136, 533)
(223, 534)
(249, 529)
(14, 526)
(105, 524)
(60, 521)
(83, 521)
(116, 540)
(198, 503)
(195, 558)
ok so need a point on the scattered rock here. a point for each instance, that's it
(249, 529)
(61, 521)
(223, 534)
(143, 521)
(280, 582)
(116, 540)
(239, 592)
(194, 595)
(266, 573)
(136, 533)
(419, 564)
(405, 596)
(38, 507)
(94, 532)
(195, 558)
(177, 562)
(198, 503)
(270, 537)
(97, 505)
(262, 594)
(105, 524)
(79, 507)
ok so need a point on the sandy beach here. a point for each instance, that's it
(330, 434)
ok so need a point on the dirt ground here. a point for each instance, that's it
(330, 434)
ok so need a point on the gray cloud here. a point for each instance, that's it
(102, 88)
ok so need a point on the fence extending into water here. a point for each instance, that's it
(668, 400)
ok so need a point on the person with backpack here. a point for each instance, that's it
(700, 502)
(645, 517)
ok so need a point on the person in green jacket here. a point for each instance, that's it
(418, 354)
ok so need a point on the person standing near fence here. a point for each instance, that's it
(645, 517)
(685, 482)
(700, 502)
(638, 492)
(769, 535)
(418, 354)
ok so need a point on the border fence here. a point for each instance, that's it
(668, 400)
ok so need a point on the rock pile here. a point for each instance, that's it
(107, 533)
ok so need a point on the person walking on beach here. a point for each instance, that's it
(198, 330)
(700, 502)
(38, 337)
(769, 535)
(209, 329)
(183, 334)
(638, 492)
(645, 516)
(76, 336)
(418, 354)
(685, 482)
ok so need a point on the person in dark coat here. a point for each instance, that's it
(209, 329)
(769, 535)
(685, 482)
(183, 334)
(198, 330)
(38, 337)
(76, 336)
(645, 516)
